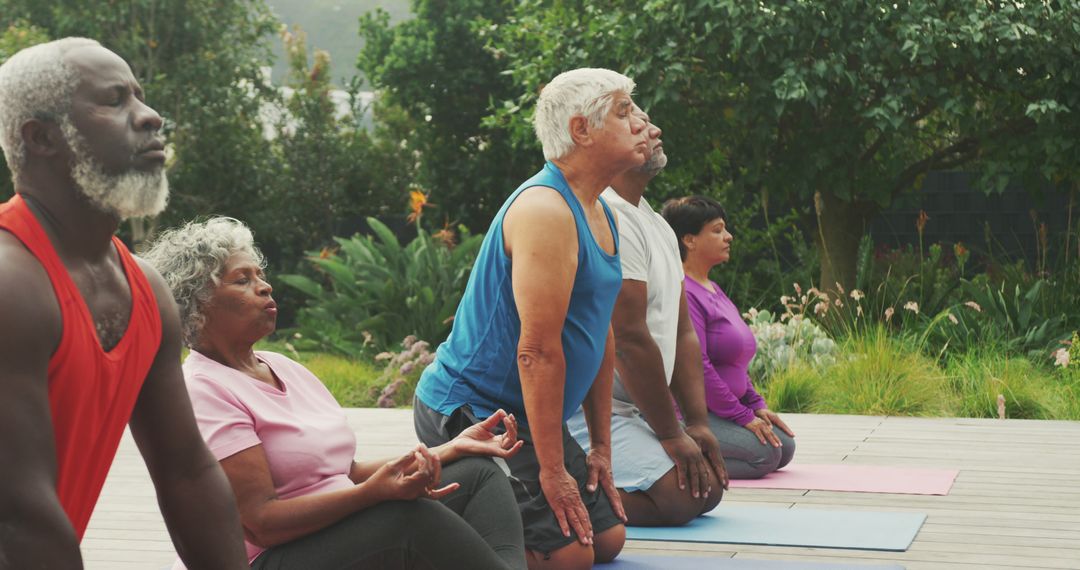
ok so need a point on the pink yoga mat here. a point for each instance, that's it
(857, 478)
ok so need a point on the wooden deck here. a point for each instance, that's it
(1015, 504)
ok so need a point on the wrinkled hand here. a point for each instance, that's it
(763, 430)
(561, 492)
(412, 476)
(710, 448)
(479, 439)
(602, 474)
(772, 419)
(690, 465)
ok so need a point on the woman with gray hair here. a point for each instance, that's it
(532, 334)
(286, 447)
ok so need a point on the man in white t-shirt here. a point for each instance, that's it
(667, 472)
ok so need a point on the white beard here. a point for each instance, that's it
(132, 194)
(657, 161)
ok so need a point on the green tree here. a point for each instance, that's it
(200, 63)
(836, 108)
(435, 70)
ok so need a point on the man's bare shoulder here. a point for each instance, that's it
(541, 209)
(157, 283)
(29, 312)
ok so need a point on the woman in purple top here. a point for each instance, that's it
(753, 439)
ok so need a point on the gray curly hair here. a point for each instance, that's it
(35, 83)
(192, 259)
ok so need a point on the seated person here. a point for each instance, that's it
(753, 439)
(287, 449)
(667, 473)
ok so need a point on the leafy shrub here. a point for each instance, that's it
(403, 369)
(1008, 317)
(375, 291)
(786, 341)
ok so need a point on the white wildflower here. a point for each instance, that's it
(889, 313)
(857, 295)
(912, 306)
(974, 305)
(953, 320)
(1061, 357)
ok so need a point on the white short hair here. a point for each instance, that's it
(35, 83)
(587, 92)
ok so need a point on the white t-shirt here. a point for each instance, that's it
(649, 252)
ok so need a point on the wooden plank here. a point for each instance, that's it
(1001, 513)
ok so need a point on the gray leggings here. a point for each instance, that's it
(476, 526)
(744, 455)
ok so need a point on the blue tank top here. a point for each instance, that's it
(477, 365)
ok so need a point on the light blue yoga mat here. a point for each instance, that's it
(647, 562)
(793, 527)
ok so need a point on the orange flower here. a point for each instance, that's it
(920, 224)
(417, 202)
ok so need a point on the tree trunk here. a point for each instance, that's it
(840, 226)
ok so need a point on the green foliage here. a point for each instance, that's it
(402, 372)
(795, 389)
(374, 291)
(786, 341)
(976, 378)
(880, 375)
(1008, 317)
(808, 99)
(434, 67)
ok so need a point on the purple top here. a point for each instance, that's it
(727, 346)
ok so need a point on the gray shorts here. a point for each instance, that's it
(637, 457)
(542, 532)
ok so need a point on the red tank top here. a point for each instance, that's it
(91, 392)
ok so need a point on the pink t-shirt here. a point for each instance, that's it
(303, 430)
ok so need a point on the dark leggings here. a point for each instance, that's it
(476, 526)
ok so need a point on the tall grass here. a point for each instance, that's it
(977, 377)
(793, 389)
(880, 374)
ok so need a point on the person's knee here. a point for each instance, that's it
(675, 506)
(608, 544)
(476, 470)
(573, 556)
(787, 452)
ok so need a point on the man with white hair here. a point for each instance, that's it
(668, 473)
(89, 335)
(532, 334)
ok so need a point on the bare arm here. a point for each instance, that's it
(34, 530)
(597, 409)
(639, 362)
(688, 387)
(192, 491)
(597, 404)
(541, 238)
(269, 520)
